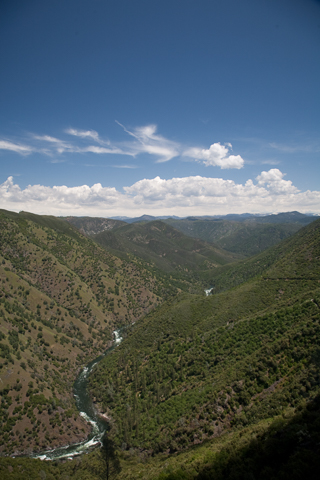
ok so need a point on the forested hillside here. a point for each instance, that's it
(243, 235)
(199, 367)
(246, 238)
(165, 247)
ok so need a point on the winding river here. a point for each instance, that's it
(87, 410)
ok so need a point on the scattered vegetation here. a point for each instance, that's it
(201, 387)
(61, 296)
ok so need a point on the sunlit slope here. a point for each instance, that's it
(93, 225)
(200, 366)
(61, 295)
(166, 247)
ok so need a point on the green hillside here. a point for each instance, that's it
(199, 367)
(241, 237)
(245, 238)
(168, 249)
(61, 295)
(218, 387)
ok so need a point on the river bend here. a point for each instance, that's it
(87, 411)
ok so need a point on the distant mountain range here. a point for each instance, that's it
(286, 217)
(242, 235)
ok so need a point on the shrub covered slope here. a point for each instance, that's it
(200, 388)
(61, 295)
(198, 367)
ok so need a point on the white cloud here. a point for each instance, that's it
(85, 134)
(195, 195)
(275, 182)
(100, 150)
(144, 140)
(48, 138)
(125, 166)
(60, 146)
(148, 142)
(15, 147)
(193, 191)
(52, 145)
(57, 200)
(216, 156)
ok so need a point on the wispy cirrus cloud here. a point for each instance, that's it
(146, 141)
(194, 195)
(16, 147)
(125, 166)
(293, 148)
(143, 140)
(270, 161)
(85, 134)
(102, 150)
(52, 145)
(61, 146)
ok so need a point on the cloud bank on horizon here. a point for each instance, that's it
(144, 140)
(188, 195)
(194, 195)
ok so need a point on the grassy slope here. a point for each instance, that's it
(61, 295)
(201, 366)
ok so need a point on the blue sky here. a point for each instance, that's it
(185, 107)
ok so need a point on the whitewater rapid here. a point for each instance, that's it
(87, 411)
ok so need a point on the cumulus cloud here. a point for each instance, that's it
(216, 156)
(192, 191)
(58, 200)
(275, 182)
(195, 195)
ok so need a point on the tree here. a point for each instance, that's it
(109, 456)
